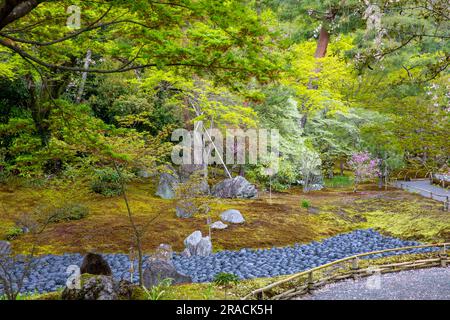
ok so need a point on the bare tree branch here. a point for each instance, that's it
(12, 10)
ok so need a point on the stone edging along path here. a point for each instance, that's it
(50, 271)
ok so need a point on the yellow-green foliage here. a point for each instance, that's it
(331, 75)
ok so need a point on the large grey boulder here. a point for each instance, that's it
(193, 239)
(159, 270)
(197, 245)
(166, 186)
(100, 287)
(237, 187)
(204, 247)
(92, 288)
(232, 216)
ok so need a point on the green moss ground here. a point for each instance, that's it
(277, 222)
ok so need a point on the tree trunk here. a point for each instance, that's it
(322, 43)
(242, 170)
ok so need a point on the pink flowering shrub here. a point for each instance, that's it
(364, 167)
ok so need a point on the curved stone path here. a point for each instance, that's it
(439, 193)
(424, 284)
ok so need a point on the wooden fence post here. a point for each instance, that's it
(310, 281)
(355, 267)
(444, 256)
(260, 295)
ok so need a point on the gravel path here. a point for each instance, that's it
(425, 284)
(426, 185)
(50, 271)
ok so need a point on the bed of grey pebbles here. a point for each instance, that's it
(50, 271)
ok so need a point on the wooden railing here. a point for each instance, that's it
(303, 282)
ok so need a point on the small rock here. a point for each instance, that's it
(232, 216)
(5, 248)
(143, 174)
(219, 225)
(313, 210)
(185, 209)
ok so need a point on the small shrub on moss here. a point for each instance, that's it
(69, 212)
(13, 233)
(225, 280)
(306, 204)
(158, 292)
(107, 182)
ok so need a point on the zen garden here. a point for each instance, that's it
(224, 150)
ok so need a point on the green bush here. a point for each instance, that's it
(306, 204)
(69, 212)
(107, 182)
(338, 182)
(225, 279)
(13, 233)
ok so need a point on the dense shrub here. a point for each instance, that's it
(69, 212)
(13, 233)
(106, 182)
